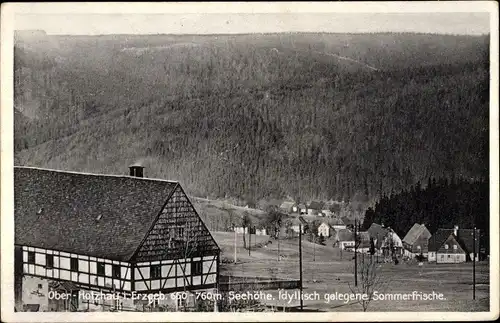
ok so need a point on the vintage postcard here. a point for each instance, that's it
(302, 161)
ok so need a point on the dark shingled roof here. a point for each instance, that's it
(377, 231)
(316, 205)
(97, 215)
(415, 232)
(438, 238)
(345, 235)
(364, 239)
(347, 221)
(464, 237)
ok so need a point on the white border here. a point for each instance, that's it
(7, 13)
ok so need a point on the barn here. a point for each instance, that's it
(110, 234)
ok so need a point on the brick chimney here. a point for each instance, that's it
(136, 170)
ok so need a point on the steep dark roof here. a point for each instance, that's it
(415, 232)
(335, 221)
(377, 231)
(97, 215)
(438, 238)
(464, 237)
(316, 205)
(347, 221)
(345, 235)
(364, 239)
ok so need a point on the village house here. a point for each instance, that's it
(241, 230)
(386, 241)
(453, 245)
(337, 224)
(298, 224)
(349, 223)
(326, 213)
(289, 207)
(363, 238)
(314, 208)
(84, 232)
(378, 233)
(302, 209)
(392, 244)
(261, 232)
(416, 241)
(344, 239)
(325, 229)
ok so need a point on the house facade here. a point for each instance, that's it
(314, 208)
(115, 235)
(289, 207)
(302, 209)
(363, 242)
(337, 224)
(453, 245)
(325, 229)
(416, 241)
(392, 244)
(298, 225)
(344, 239)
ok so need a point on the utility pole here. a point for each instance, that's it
(235, 243)
(249, 239)
(474, 265)
(279, 243)
(355, 252)
(314, 248)
(300, 266)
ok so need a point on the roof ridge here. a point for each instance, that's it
(96, 174)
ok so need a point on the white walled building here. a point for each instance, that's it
(110, 234)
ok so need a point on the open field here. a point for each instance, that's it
(330, 271)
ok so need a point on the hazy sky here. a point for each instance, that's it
(91, 24)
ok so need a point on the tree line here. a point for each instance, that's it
(441, 203)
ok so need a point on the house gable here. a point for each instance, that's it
(450, 242)
(177, 233)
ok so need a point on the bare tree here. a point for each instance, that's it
(370, 280)
(247, 223)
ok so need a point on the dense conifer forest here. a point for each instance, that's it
(348, 117)
(441, 203)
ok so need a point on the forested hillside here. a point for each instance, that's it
(307, 115)
(440, 204)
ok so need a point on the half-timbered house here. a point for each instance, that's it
(110, 234)
(416, 241)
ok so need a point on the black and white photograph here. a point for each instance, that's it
(214, 160)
